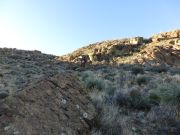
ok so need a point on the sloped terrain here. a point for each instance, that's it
(134, 84)
(128, 87)
(133, 99)
(38, 96)
(163, 48)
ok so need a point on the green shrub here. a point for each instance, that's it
(111, 90)
(109, 122)
(1, 75)
(154, 98)
(131, 67)
(174, 71)
(135, 94)
(87, 74)
(142, 80)
(126, 67)
(137, 70)
(108, 77)
(139, 102)
(90, 83)
(157, 69)
(162, 115)
(93, 83)
(121, 99)
(134, 100)
(99, 84)
(168, 93)
(106, 70)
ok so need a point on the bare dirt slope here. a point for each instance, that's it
(37, 96)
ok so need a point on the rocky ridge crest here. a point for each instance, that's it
(162, 48)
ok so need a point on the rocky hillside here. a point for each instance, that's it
(39, 96)
(162, 48)
(43, 94)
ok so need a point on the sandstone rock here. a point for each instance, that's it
(132, 50)
(136, 40)
(166, 35)
(177, 42)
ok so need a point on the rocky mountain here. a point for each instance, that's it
(162, 48)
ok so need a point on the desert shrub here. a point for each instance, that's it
(142, 80)
(137, 70)
(141, 104)
(154, 99)
(174, 71)
(130, 67)
(121, 99)
(93, 83)
(106, 70)
(162, 115)
(1, 75)
(113, 129)
(108, 77)
(157, 69)
(90, 83)
(132, 100)
(87, 74)
(168, 93)
(110, 90)
(137, 101)
(126, 67)
(97, 99)
(109, 122)
(135, 94)
(99, 84)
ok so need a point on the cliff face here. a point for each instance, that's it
(163, 48)
(38, 96)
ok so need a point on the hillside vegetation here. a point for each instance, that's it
(39, 96)
(134, 84)
(126, 87)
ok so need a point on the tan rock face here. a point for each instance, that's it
(161, 48)
(166, 35)
(163, 53)
(136, 40)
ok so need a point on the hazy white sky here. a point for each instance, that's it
(61, 26)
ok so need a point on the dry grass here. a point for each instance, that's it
(126, 95)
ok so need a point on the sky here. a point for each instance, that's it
(61, 26)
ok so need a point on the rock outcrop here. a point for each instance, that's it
(164, 53)
(161, 48)
(166, 35)
(106, 50)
